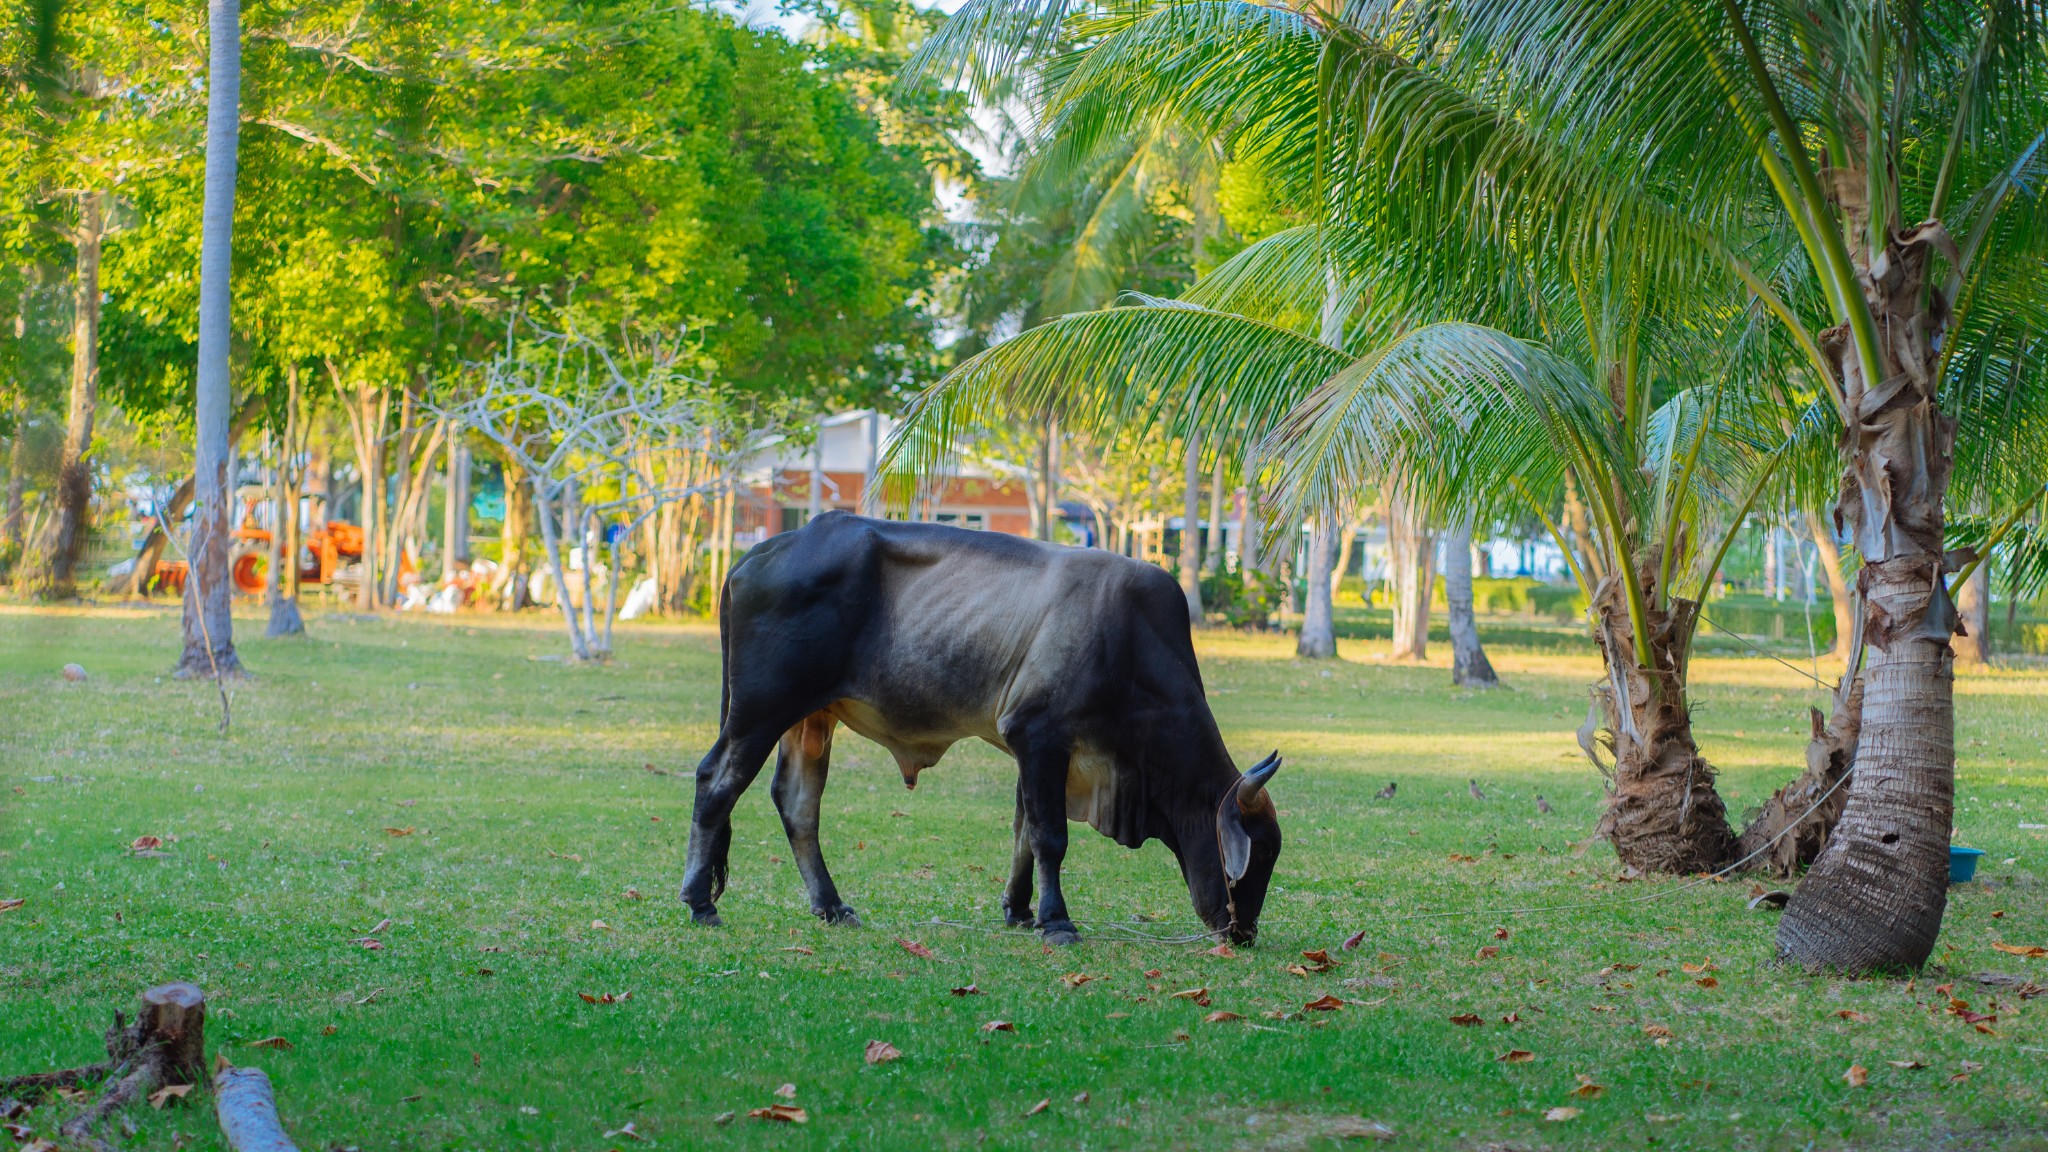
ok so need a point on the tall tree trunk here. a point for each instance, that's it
(209, 626)
(1875, 896)
(1318, 640)
(285, 619)
(1469, 666)
(1212, 561)
(1411, 563)
(1663, 812)
(1839, 595)
(454, 507)
(511, 584)
(1973, 606)
(817, 501)
(1046, 500)
(17, 479)
(1191, 530)
(72, 526)
(1347, 537)
(152, 550)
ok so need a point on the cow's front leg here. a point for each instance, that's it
(801, 764)
(722, 777)
(1042, 781)
(1017, 897)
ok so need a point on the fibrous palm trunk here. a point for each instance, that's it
(1469, 666)
(57, 578)
(1318, 640)
(1874, 899)
(17, 479)
(208, 624)
(1212, 558)
(1663, 812)
(1839, 595)
(1411, 570)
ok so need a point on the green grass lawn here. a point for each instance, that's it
(532, 820)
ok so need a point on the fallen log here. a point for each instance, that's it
(247, 1109)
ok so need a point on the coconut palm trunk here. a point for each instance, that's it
(1469, 666)
(1875, 896)
(208, 624)
(1663, 812)
(1318, 640)
(1411, 570)
(1839, 595)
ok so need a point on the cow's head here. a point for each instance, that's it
(1248, 840)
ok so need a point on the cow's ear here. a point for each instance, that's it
(1231, 838)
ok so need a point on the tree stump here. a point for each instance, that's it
(173, 1018)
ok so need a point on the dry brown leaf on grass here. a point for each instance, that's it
(2029, 950)
(1561, 1114)
(1199, 995)
(1352, 941)
(1319, 960)
(1220, 1017)
(632, 893)
(1153, 973)
(1076, 979)
(1853, 1016)
(916, 949)
(167, 1093)
(1587, 1089)
(786, 1091)
(627, 1130)
(278, 1042)
(1857, 1076)
(799, 950)
(786, 1113)
(881, 1052)
(999, 1026)
(967, 990)
(1908, 1065)
(1516, 1056)
(1500, 933)
(145, 844)
(1222, 950)
(565, 855)
(1696, 969)
(604, 997)
(405, 831)
(1707, 982)
(1466, 1020)
(11, 903)
(1323, 1003)
(1041, 1106)
(22, 1133)
(1488, 952)
(1657, 1030)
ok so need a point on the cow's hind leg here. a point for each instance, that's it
(722, 777)
(1017, 897)
(799, 788)
(1042, 761)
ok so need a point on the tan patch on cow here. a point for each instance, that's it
(1091, 789)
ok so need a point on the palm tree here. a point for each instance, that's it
(1781, 150)
(208, 625)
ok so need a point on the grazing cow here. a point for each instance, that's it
(1077, 662)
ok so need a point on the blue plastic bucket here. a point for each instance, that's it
(1962, 864)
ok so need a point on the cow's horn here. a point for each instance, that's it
(1254, 781)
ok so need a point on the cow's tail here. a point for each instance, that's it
(724, 651)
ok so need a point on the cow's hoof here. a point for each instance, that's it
(708, 918)
(842, 914)
(1016, 919)
(1061, 935)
